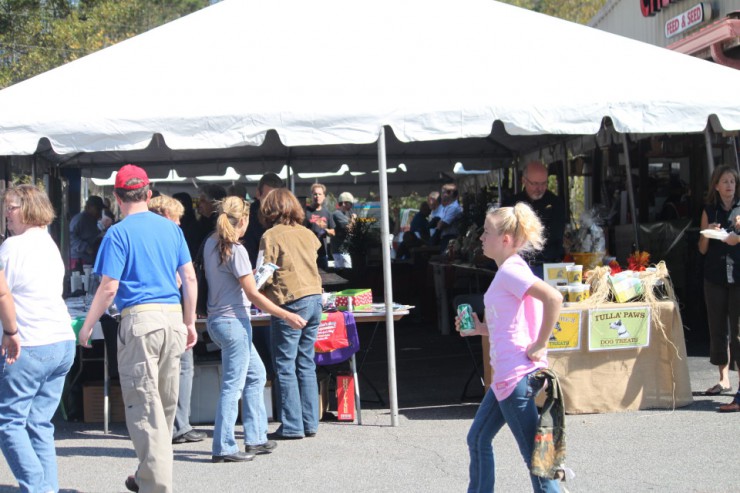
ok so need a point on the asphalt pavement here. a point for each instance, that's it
(691, 449)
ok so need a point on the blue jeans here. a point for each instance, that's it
(254, 414)
(182, 414)
(520, 413)
(30, 390)
(243, 375)
(295, 369)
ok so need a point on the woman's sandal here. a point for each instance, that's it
(717, 389)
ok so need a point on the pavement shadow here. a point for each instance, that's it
(94, 451)
(708, 404)
(195, 456)
(440, 413)
(6, 488)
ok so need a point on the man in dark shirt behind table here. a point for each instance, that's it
(320, 220)
(83, 231)
(255, 228)
(551, 211)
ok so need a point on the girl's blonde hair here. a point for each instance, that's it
(522, 224)
(231, 210)
(164, 205)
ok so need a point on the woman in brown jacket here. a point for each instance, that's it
(295, 287)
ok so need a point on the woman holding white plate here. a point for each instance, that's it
(722, 276)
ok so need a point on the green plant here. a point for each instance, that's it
(363, 235)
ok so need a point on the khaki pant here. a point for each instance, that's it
(151, 339)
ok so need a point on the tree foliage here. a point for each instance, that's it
(580, 11)
(38, 35)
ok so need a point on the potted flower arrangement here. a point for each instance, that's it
(361, 238)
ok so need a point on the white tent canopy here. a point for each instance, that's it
(333, 72)
(293, 77)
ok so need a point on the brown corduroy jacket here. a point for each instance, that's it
(293, 250)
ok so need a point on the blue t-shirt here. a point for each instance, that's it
(143, 253)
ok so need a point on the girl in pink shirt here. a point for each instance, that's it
(521, 311)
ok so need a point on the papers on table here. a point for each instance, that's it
(77, 309)
(380, 308)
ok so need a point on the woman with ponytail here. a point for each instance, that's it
(231, 288)
(521, 311)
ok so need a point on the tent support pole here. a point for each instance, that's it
(289, 178)
(631, 190)
(385, 245)
(566, 184)
(733, 141)
(708, 145)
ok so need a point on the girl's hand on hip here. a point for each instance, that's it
(535, 352)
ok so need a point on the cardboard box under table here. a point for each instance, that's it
(207, 390)
(93, 403)
(596, 378)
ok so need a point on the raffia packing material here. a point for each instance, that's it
(625, 286)
(361, 298)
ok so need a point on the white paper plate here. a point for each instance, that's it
(715, 234)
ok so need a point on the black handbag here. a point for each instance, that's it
(201, 303)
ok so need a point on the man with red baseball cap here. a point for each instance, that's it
(137, 260)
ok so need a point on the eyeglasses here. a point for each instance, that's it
(448, 190)
(538, 184)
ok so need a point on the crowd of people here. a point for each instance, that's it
(153, 282)
(151, 279)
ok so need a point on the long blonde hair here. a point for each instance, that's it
(522, 223)
(231, 210)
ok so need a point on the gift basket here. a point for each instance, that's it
(586, 243)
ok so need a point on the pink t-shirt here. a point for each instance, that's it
(513, 321)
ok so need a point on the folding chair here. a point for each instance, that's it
(476, 302)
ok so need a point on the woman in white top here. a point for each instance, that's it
(43, 342)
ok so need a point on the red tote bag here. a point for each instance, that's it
(332, 333)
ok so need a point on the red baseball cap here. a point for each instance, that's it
(129, 172)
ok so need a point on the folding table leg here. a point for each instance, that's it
(358, 403)
(106, 390)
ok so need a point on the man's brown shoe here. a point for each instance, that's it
(732, 407)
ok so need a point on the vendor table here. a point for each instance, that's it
(77, 307)
(441, 271)
(651, 377)
(376, 318)
(656, 376)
